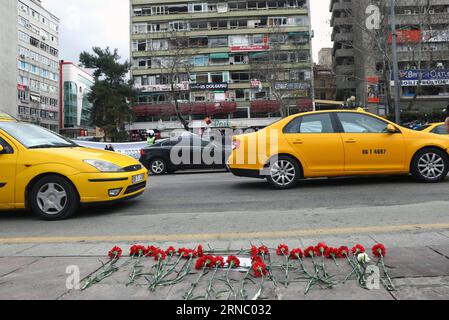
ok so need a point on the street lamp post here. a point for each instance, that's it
(397, 88)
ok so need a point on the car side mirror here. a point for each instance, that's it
(391, 129)
(2, 150)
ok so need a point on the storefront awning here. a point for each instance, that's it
(255, 55)
(219, 55)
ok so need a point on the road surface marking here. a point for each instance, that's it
(233, 235)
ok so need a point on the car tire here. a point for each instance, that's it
(284, 173)
(53, 198)
(158, 167)
(430, 165)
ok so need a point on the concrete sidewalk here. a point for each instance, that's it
(419, 269)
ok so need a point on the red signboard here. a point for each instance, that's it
(373, 89)
(406, 36)
(21, 87)
(250, 48)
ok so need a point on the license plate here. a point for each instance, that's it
(138, 178)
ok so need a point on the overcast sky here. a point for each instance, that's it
(88, 23)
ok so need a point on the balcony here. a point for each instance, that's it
(217, 15)
(344, 53)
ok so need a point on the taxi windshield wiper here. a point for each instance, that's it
(45, 146)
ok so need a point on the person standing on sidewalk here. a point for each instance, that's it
(151, 137)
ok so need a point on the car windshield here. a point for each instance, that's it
(35, 137)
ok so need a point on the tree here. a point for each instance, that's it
(270, 68)
(375, 43)
(111, 94)
(175, 70)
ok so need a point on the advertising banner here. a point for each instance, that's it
(436, 77)
(131, 149)
(209, 86)
(250, 48)
(373, 89)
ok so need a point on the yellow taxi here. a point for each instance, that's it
(338, 143)
(53, 176)
(437, 128)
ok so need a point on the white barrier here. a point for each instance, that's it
(131, 149)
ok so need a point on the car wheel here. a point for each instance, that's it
(430, 165)
(284, 173)
(158, 167)
(53, 198)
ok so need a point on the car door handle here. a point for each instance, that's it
(298, 142)
(351, 141)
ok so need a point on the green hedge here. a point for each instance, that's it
(430, 117)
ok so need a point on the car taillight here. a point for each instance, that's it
(235, 144)
(142, 152)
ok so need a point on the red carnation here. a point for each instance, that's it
(159, 255)
(263, 250)
(358, 248)
(170, 251)
(343, 252)
(205, 261)
(260, 269)
(200, 263)
(115, 253)
(309, 252)
(187, 253)
(331, 253)
(379, 250)
(282, 250)
(200, 251)
(233, 261)
(320, 249)
(296, 254)
(254, 251)
(137, 250)
(218, 262)
(151, 251)
(256, 259)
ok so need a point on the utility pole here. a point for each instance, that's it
(397, 88)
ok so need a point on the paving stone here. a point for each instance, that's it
(410, 239)
(11, 250)
(443, 250)
(348, 291)
(58, 250)
(436, 288)
(8, 265)
(416, 262)
(44, 279)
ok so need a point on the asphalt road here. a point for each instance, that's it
(219, 204)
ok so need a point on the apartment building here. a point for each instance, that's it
(227, 48)
(37, 64)
(8, 56)
(361, 55)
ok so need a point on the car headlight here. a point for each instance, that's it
(104, 166)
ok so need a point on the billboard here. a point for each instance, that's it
(250, 48)
(435, 77)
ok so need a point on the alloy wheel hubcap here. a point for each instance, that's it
(51, 198)
(283, 172)
(158, 167)
(431, 166)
